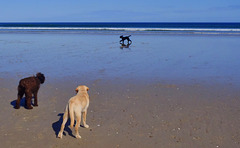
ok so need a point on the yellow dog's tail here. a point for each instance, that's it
(71, 114)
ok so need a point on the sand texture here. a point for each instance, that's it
(123, 114)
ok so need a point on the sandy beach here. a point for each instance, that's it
(162, 91)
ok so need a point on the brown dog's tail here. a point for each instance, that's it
(71, 114)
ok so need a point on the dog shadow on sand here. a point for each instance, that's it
(22, 103)
(57, 126)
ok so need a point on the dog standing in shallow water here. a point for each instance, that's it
(125, 38)
(29, 86)
(77, 105)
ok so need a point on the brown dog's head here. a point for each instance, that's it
(81, 88)
(41, 77)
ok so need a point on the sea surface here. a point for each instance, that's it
(193, 52)
(186, 28)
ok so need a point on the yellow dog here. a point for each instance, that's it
(76, 105)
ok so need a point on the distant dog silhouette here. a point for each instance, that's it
(125, 38)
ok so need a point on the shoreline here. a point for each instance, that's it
(126, 27)
(118, 32)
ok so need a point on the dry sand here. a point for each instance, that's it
(126, 114)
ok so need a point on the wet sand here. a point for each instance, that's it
(153, 94)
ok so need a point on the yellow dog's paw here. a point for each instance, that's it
(60, 135)
(78, 136)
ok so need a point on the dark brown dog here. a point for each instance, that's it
(29, 86)
(125, 38)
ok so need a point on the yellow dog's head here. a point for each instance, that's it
(81, 88)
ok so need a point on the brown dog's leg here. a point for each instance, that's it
(28, 99)
(35, 98)
(20, 95)
(17, 106)
(84, 119)
(25, 99)
(78, 121)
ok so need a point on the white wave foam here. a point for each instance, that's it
(121, 29)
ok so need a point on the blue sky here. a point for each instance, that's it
(120, 11)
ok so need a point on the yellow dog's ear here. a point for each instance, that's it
(76, 90)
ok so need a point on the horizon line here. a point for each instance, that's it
(109, 22)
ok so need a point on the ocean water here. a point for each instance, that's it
(186, 28)
(82, 54)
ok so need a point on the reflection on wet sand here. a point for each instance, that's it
(124, 45)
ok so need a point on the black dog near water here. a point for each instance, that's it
(125, 38)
